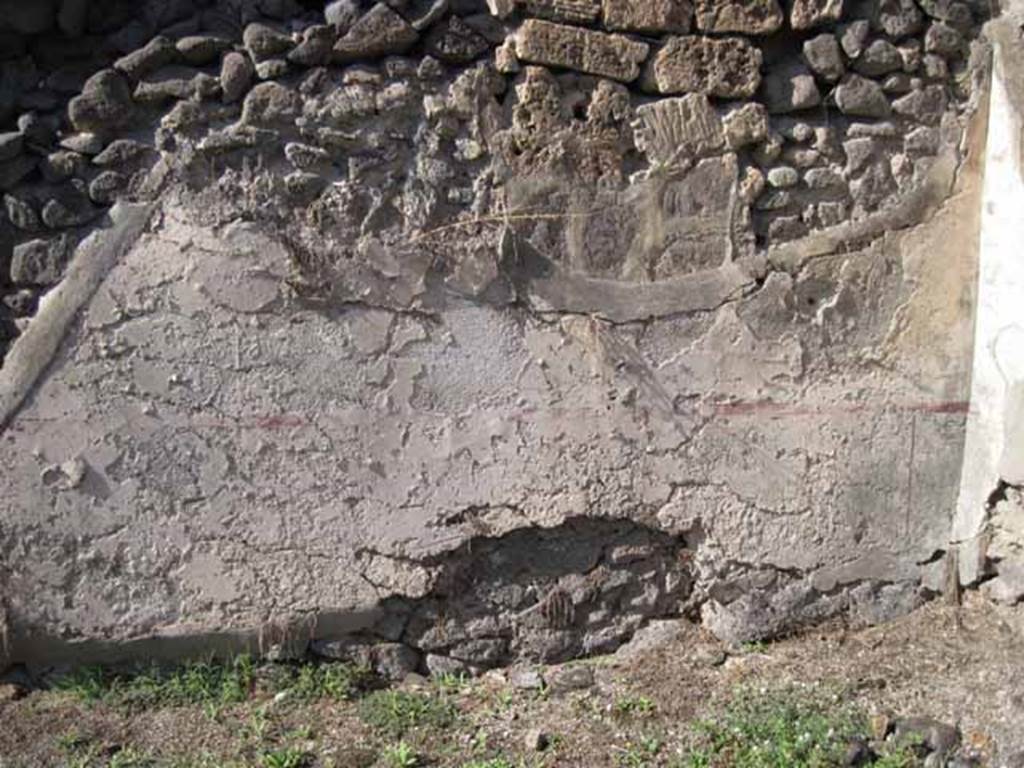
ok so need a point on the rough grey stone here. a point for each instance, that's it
(935, 736)
(859, 152)
(857, 96)
(823, 56)
(455, 42)
(10, 145)
(83, 143)
(61, 165)
(157, 53)
(236, 74)
(315, 48)
(342, 14)
(200, 50)
(943, 40)
(570, 11)
(21, 213)
(104, 106)
(926, 105)
(756, 17)
(745, 125)
(104, 189)
(69, 208)
(806, 14)
(898, 18)
(306, 157)
(652, 16)
(265, 42)
(271, 69)
(585, 50)
(379, 32)
(789, 89)
(783, 176)
(526, 678)
(270, 104)
(40, 262)
(956, 14)
(729, 68)
(123, 153)
(853, 37)
(575, 677)
(879, 58)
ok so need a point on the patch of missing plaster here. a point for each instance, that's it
(546, 595)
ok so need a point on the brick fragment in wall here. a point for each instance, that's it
(748, 17)
(728, 67)
(574, 11)
(651, 16)
(678, 129)
(583, 50)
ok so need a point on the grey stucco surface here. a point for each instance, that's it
(384, 340)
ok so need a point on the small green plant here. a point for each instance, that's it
(201, 682)
(640, 753)
(395, 713)
(331, 680)
(451, 682)
(634, 705)
(494, 762)
(786, 728)
(400, 755)
(287, 757)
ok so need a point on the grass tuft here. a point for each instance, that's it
(786, 728)
(395, 713)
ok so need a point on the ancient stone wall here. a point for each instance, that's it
(416, 290)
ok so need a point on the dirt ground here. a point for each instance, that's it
(960, 665)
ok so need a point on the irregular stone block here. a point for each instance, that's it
(671, 130)
(40, 262)
(236, 73)
(379, 32)
(455, 41)
(729, 67)
(790, 89)
(104, 106)
(577, 11)
(264, 42)
(158, 52)
(806, 14)
(823, 56)
(200, 50)
(745, 125)
(653, 16)
(879, 58)
(943, 40)
(749, 17)
(10, 145)
(958, 15)
(853, 37)
(597, 53)
(21, 213)
(861, 97)
(69, 208)
(104, 188)
(271, 103)
(926, 105)
(898, 18)
(315, 48)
